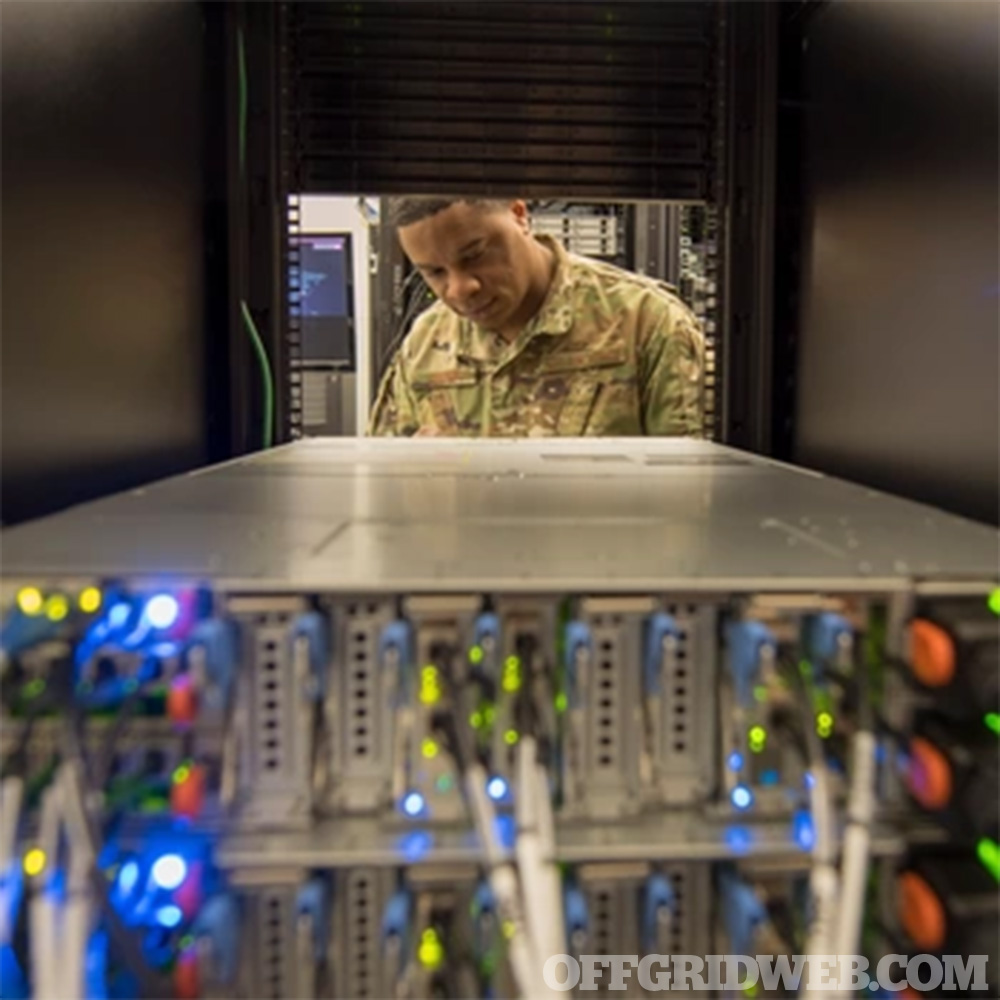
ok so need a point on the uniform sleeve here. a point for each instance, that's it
(394, 413)
(672, 373)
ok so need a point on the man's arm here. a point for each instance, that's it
(394, 413)
(672, 374)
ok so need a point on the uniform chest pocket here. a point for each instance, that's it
(585, 380)
(449, 401)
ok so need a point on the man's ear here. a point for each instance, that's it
(519, 210)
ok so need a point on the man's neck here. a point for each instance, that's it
(544, 273)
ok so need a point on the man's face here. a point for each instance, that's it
(477, 259)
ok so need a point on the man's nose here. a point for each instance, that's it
(463, 287)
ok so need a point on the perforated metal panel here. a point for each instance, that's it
(276, 724)
(360, 707)
(560, 98)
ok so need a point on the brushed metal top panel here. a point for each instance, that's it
(560, 514)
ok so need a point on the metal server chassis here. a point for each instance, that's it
(623, 527)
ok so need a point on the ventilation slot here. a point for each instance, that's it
(606, 733)
(270, 706)
(293, 341)
(680, 695)
(680, 906)
(274, 948)
(360, 696)
(363, 950)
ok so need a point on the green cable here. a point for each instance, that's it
(265, 367)
(258, 343)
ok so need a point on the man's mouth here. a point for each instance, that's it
(482, 311)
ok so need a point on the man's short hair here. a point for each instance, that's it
(406, 211)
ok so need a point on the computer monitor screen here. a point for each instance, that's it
(327, 300)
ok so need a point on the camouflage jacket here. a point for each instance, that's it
(609, 353)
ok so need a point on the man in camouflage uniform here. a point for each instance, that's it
(527, 340)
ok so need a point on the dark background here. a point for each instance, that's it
(111, 270)
(853, 146)
(897, 378)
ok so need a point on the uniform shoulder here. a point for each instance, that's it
(616, 281)
(647, 300)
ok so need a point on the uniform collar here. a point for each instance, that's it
(556, 313)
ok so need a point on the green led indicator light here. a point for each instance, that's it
(992, 720)
(476, 654)
(476, 720)
(561, 702)
(993, 601)
(760, 692)
(34, 688)
(989, 854)
(445, 783)
(510, 737)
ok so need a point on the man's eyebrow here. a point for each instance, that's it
(465, 249)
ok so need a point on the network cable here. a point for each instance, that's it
(860, 813)
(823, 880)
(501, 874)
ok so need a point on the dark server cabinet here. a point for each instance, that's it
(898, 342)
(114, 313)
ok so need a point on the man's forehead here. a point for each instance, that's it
(449, 233)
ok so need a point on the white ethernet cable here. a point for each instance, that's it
(555, 920)
(43, 913)
(504, 883)
(857, 842)
(535, 850)
(11, 796)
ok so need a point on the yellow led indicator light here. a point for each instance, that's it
(182, 774)
(989, 854)
(90, 600)
(561, 702)
(56, 608)
(511, 674)
(29, 600)
(508, 929)
(824, 725)
(992, 720)
(993, 601)
(757, 738)
(430, 686)
(476, 654)
(429, 748)
(431, 951)
(34, 862)
(510, 737)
